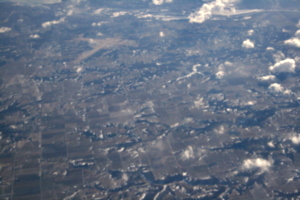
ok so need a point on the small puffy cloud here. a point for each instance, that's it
(35, 36)
(267, 78)
(220, 74)
(294, 41)
(160, 2)
(4, 29)
(295, 139)
(117, 14)
(250, 32)
(208, 9)
(287, 65)
(248, 44)
(275, 87)
(257, 163)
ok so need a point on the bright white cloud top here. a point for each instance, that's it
(207, 10)
(267, 78)
(248, 44)
(295, 139)
(276, 87)
(255, 163)
(287, 65)
(294, 41)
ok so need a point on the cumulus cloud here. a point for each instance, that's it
(220, 74)
(160, 2)
(4, 29)
(257, 163)
(287, 65)
(294, 41)
(276, 87)
(248, 44)
(295, 139)
(208, 9)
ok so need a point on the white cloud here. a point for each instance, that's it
(117, 14)
(160, 2)
(267, 78)
(208, 9)
(250, 32)
(260, 163)
(248, 44)
(220, 74)
(294, 41)
(4, 29)
(275, 87)
(295, 139)
(50, 23)
(35, 36)
(287, 65)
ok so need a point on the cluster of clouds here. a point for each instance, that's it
(294, 41)
(208, 9)
(284, 66)
(160, 2)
